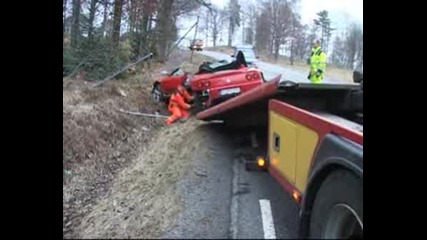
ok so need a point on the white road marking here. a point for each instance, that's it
(267, 219)
(235, 201)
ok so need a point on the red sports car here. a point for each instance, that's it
(215, 82)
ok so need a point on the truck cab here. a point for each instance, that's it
(311, 141)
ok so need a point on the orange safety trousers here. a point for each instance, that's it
(178, 108)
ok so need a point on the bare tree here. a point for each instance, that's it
(106, 4)
(92, 12)
(359, 63)
(184, 7)
(353, 44)
(165, 23)
(233, 19)
(262, 29)
(251, 28)
(216, 22)
(118, 9)
(282, 26)
(338, 56)
(75, 28)
(301, 42)
(296, 29)
(64, 16)
(205, 24)
(143, 25)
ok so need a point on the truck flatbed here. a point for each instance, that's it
(336, 102)
(341, 121)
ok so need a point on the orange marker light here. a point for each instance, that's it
(261, 162)
(296, 196)
(275, 161)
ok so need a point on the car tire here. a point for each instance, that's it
(157, 94)
(198, 104)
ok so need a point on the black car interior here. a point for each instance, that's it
(240, 59)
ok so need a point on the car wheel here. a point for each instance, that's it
(157, 94)
(198, 104)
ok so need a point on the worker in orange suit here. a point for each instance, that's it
(178, 106)
(187, 97)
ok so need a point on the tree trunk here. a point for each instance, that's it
(276, 49)
(322, 42)
(164, 26)
(64, 13)
(292, 52)
(243, 29)
(207, 28)
(118, 8)
(75, 28)
(230, 31)
(133, 9)
(92, 11)
(144, 29)
(292, 40)
(271, 43)
(134, 29)
(215, 33)
(104, 22)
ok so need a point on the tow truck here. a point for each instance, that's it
(310, 139)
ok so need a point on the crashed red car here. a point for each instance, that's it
(212, 84)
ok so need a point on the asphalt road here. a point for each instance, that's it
(222, 199)
(270, 70)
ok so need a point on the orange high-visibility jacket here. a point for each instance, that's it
(177, 100)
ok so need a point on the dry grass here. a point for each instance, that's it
(99, 141)
(142, 202)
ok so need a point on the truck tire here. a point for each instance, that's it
(338, 208)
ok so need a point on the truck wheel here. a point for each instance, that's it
(338, 208)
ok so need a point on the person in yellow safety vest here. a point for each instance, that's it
(317, 63)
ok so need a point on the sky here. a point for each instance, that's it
(341, 13)
(351, 8)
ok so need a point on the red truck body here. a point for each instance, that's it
(312, 144)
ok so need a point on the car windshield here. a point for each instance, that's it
(217, 64)
(177, 72)
(248, 53)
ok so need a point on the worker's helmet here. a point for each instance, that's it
(316, 42)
